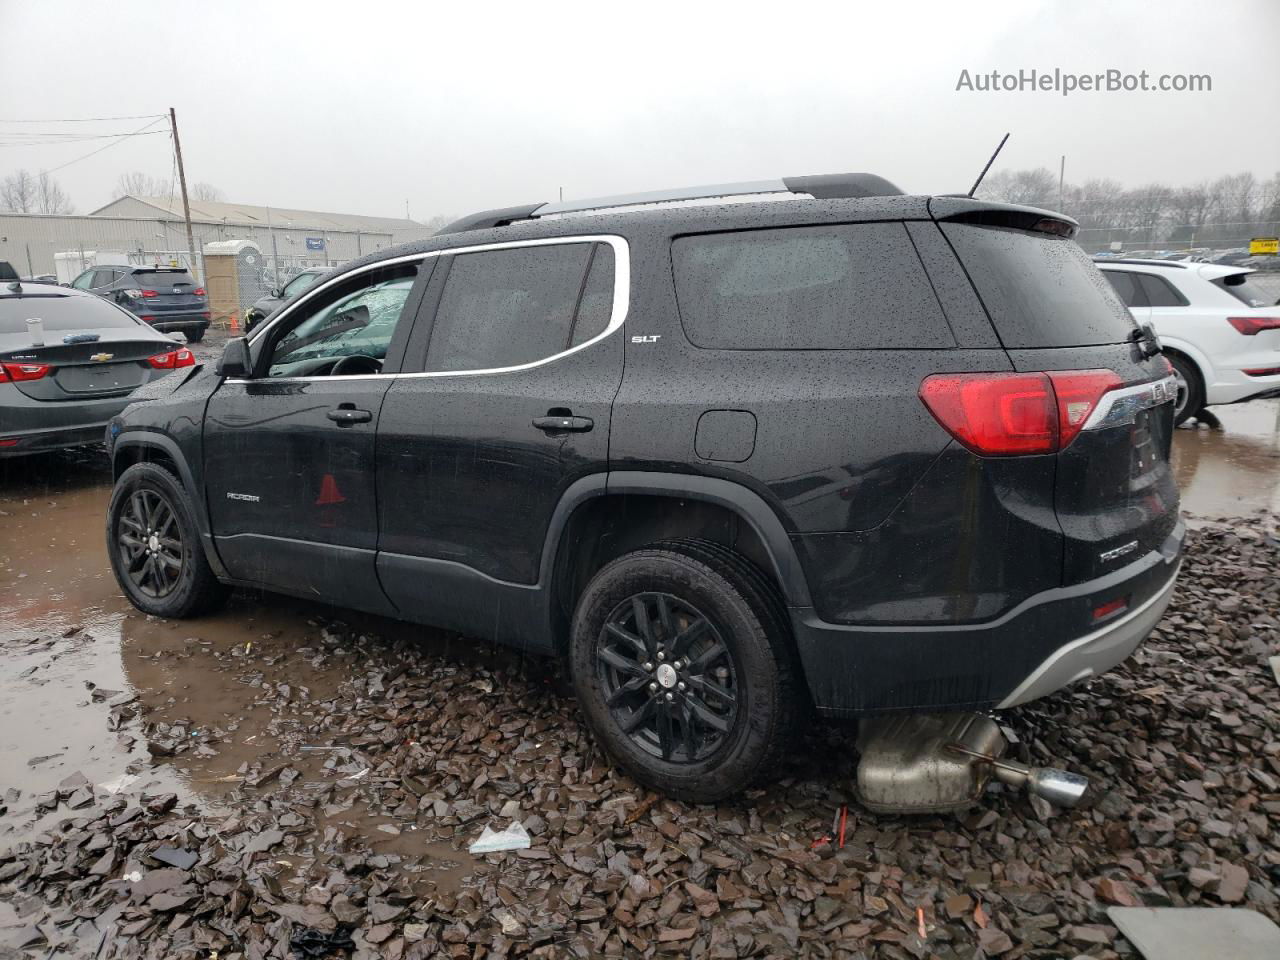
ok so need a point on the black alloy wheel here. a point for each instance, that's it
(668, 676)
(150, 543)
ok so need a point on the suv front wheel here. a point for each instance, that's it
(155, 548)
(681, 660)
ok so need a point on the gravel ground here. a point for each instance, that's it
(1183, 741)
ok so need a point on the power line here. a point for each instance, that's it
(61, 141)
(141, 116)
(118, 140)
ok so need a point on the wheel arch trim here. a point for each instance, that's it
(135, 439)
(735, 497)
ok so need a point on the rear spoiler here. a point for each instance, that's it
(1014, 216)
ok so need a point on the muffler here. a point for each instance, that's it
(942, 762)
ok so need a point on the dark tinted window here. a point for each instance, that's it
(596, 306)
(840, 287)
(501, 308)
(162, 278)
(62, 314)
(1238, 285)
(6, 271)
(1041, 291)
(1126, 287)
(1160, 292)
(103, 278)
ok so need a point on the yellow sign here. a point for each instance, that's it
(1264, 245)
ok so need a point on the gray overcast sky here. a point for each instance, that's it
(454, 107)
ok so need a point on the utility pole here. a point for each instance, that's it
(182, 180)
(1062, 175)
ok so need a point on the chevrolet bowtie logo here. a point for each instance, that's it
(101, 357)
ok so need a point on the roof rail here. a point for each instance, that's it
(828, 186)
(492, 218)
(1140, 262)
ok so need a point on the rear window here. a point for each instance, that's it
(1040, 290)
(163, 278)
(1240, 287)
(62, 314)
(840, 287)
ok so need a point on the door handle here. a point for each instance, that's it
(346, 415)
(564, 424)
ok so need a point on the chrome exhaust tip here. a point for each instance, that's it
(1059, 787)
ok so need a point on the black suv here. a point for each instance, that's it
(166, 298)
(825, 446)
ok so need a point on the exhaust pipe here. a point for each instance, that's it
(931, 763)
(1059, 787)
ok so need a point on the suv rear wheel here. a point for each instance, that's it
(681, 660)
(1190, 399)
(154, 545)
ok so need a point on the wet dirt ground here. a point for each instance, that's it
(219, 710)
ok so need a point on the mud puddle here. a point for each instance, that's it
(1233, 471)
(205, 709)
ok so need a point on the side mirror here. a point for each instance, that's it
(278, 293)
(235, 361)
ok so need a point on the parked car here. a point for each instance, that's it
(265, 306)
(1219, 330)
(41, 278)
(835, 447)
(68, 362)
(166, 298)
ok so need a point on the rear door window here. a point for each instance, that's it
(838, 287)
(1040, 290)
(1159, 291)
(1126, 287)
(505, 308)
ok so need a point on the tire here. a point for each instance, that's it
(196, 337)
(150, 490)
(712, 749)
(1190, 388)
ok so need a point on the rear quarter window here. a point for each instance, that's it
(1240, 287)
(839, 287)
(1040, 290)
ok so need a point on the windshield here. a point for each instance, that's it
(299, 283)
(1240, 287)
(61, 314)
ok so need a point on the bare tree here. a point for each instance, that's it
(1036, 188)
(1190, 208)
(50, 197)
(139, 184)
(18, 192)
(207, 191)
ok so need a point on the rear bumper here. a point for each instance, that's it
(34, 426)
(1043, 644)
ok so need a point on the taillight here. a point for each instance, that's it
(1011, 414)
(1078, 393)
(1262, 372)
(199, 291)
(18, 372)
(148, 293)
(172, 359)
(1252, 326)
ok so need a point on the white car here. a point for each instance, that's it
(1220, 331)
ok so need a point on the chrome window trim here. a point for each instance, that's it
(621, 302)
(1119, 407)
